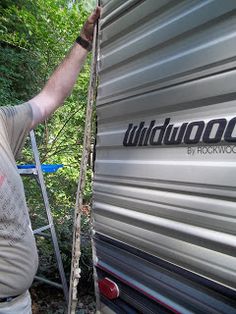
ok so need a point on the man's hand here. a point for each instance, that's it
(87, 30)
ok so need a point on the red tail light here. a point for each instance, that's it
(108, 288)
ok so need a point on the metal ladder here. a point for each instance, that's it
(37, 173)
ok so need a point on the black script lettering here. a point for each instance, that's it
(127, 133)
(148, 133)
(134, 135)
(215, 131)
(200, 126)
(220, 130)
(143, 133)
(229, 131)
(173, 139)
(162, 129)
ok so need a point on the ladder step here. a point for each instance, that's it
(25, 172)
(49, 282)
(31, 168)
(39, 230)
(43, 234)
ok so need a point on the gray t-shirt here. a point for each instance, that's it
(18, 253)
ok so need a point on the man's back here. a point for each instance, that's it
(18, 254)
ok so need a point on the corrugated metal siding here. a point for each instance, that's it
(170, 288)
(158, 60)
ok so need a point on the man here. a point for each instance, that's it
(18, 253)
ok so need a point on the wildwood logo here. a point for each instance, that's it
(212, 132)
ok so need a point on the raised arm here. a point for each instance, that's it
(61, 82)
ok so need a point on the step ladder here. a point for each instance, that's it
(36, 170)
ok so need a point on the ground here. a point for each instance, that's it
(49, 300)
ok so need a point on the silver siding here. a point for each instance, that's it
(168, 59)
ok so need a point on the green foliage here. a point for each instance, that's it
(35, 36)
(16, 68)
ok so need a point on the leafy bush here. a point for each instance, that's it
(17, 79)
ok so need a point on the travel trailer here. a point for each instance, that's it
(164, 205)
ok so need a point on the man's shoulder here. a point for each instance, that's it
(15, 123)
(12, 111)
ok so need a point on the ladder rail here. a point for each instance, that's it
(49, 215)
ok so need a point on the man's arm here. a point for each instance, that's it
(61, 82)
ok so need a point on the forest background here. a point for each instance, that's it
(35, 35)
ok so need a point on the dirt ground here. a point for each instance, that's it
(49, 300)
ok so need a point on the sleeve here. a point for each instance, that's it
(17, 120)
